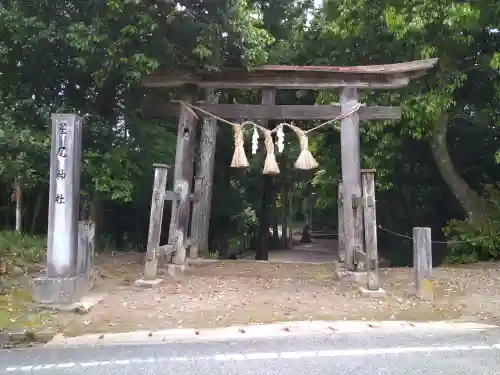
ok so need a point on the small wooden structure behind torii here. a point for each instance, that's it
(268, 78)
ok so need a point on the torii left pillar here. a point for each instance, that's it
(183, 180)
(351, 177)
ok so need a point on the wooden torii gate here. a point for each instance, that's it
(267, 78)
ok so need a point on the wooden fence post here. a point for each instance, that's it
(86, 245)
(155, 220)
(340, 223)
(370, 225)
(422, 263)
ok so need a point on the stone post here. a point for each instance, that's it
(422, 263)
(62, 284)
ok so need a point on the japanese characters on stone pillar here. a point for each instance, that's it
(65, 167)
(62, 284)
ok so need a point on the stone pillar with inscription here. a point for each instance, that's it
(62, 284)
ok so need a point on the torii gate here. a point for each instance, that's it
(267, 78)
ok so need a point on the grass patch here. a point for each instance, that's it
(18, 313)
(18, 253)
(20, 250)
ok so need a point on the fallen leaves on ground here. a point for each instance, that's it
(233, 292)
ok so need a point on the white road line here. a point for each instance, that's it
(122, 362)
(90, 364)
(177, 359)
(66, 365)
(290, 355)
(481, 347)
(260, 356)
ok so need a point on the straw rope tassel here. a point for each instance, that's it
(239, 157)
(305, 161)
(270, 164)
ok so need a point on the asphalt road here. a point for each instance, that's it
(431, 353)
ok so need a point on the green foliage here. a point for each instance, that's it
(89, 58)
(479, 241)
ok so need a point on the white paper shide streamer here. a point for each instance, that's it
(280, 134)
(255, 141)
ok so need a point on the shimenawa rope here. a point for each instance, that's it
(305, 160)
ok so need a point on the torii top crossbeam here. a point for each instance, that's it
(299, 77)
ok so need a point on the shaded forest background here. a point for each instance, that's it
(437, 167)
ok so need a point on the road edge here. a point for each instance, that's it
(260, 331)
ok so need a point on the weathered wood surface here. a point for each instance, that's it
(268, 98)
(86, 248)
(183, 178)
(156, 109)
(422, 263)
(184, 117)
(195, 217)
(351, 177)
(340, 222)
(174, 197)
(370, 223)
(359, 236)
(205, 178)
(299, 77)
(168, 248)
(155, 220)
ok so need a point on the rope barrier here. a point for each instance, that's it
(435, 242)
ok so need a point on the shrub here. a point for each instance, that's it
(479, 241)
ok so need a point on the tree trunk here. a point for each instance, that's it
(470, 201)
(265, 217)
(37, 209)
(7, 206)
(96, 213)
(284, 217)
(284, 211)
(224, 238)
(19, 206)
(275, 220)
